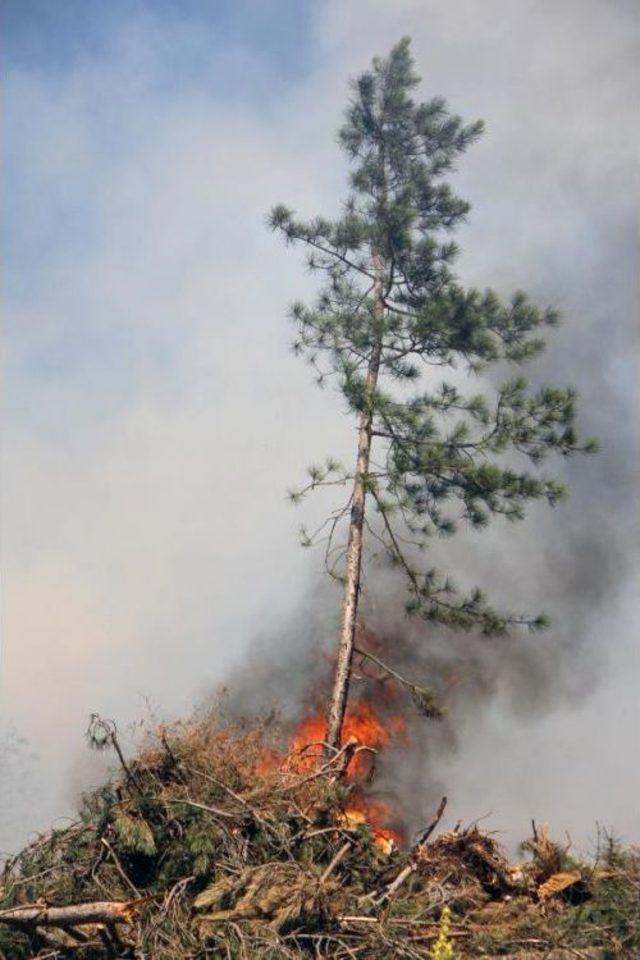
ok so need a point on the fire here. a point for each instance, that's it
(375, 814)
(362, 728)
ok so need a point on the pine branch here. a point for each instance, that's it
(423, 697)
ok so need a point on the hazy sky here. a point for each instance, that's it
(153, 417)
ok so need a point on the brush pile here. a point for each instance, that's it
(195, 850)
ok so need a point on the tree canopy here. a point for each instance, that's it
(390, 318)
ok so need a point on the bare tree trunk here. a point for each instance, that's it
(342, 676)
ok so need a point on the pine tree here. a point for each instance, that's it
(389, 308)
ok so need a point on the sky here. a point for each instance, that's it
(153, 416)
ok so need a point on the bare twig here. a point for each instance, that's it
(340, 855)
(119, 867)
(428, 830)
(411, 867)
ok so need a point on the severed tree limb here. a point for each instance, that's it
(428, 830)
(129, 883)
(412, 866)
(399, 880)
(78, 936)
(40, 938)
(110, 940)
(494, 864)
(340, 855)
(106, 911)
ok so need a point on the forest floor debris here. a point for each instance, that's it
(197, 849)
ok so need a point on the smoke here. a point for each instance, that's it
(153, 418)
(535, 725)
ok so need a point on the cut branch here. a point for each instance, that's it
(412, 866)
(75, 915)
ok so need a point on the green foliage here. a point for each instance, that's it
(14, 944)
(201, 847)
(426, 703)
(133, 834)
(613, 909)
(447, 459)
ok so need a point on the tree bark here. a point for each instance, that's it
(342, 676)
(75, 915)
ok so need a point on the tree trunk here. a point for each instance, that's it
(342, 676)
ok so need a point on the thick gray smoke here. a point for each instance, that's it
(153, 418)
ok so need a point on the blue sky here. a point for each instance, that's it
(52, 36)
(224, 52)
(152, 414)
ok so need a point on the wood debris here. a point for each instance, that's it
(232, 862)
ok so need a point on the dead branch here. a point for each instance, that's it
(417, 690)
(428, 830)
(340, 855)
(119, 866)
(103, 732)
(411, 867)
(124, 911)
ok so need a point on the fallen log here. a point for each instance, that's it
(98, 912)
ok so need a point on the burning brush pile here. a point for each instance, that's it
(215, 842)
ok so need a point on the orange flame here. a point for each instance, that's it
(363, 728)
(376, 814)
